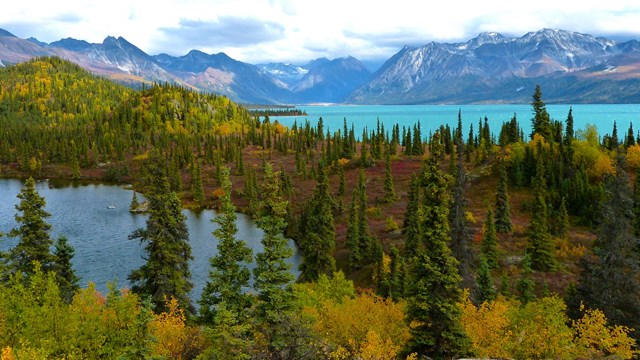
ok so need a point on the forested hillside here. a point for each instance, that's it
(518, 242)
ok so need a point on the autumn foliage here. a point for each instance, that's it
(504, 328)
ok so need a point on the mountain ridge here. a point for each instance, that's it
(488, 68)
(482, 68)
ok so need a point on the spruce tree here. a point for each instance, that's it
(319, 237)
(486, 290)
(65, 275)
(541, 122)
(196, 184)
(413, 215)
(353, 236)
(613, 140)
(608, 278)
(75, 168)
(562, 220)
(33, 230)
(165, 274)
(636, 204)
(460, 233)
(341, 181)
(389, 190)
(540, 245)
(504, 285)
(174, 175)
(364, 241)
(135, 204)
(434, 291)
(568, 133)
(630, 139)
(489, 245)
(271, 274)
(229, 275)
(503, 211)
(525, 284)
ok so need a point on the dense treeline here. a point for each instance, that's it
(277, 112)
(394, 209)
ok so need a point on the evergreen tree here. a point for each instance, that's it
(434, 291)
(486, 290)
(608, 278)
(457, 139)
(562, 220)
(166, 272)
(197, 188)
(636, 204)
(470, 144)
(319, 237)
(272, 276)
(504, 286)
(75, 168)
(364, 241)
(365, 156)
(353, 236)
(229, 275)
(135, 204)
(341, 181)
(413, 215)
(416, 141)
(63, 267)
(630, 140)
(489, 245)
(541, 122)
(33, 230)
(174, 175)
(503, 223)
(613, 140)
(525, 284)
(460, 233)
(569, 134)
(389, 190)
(540, 245)
(397, 277)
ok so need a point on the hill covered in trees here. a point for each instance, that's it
(493, 244)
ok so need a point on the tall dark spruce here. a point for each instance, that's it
(435, 283)
(503, 211)
(33, 230)
(229, 275)
(540, 244)
(319, 235)
(165, 274)
(460, 233)
(272, 275)
(608, 280)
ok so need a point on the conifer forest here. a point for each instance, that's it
(515, 242)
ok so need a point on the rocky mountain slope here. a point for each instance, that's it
(495, 68)
(490, 68)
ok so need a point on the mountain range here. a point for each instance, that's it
(490, 68)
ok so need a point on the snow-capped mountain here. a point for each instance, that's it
(490, 68)
(320, 80)
(289, 74)
(122, 61)
(483, 68)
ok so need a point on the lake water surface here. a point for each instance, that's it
(100, 235)
(432, 116)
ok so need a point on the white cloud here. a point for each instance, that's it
(300, 30)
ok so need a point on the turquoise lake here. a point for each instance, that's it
(432, 116)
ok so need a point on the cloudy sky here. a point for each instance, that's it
(297, 31)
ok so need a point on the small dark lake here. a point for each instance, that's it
(95, 218)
